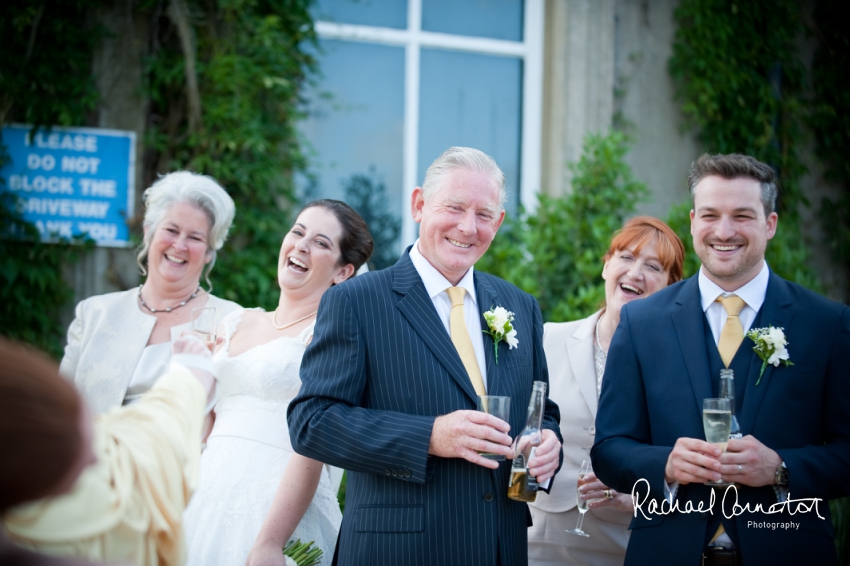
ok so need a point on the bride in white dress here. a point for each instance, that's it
(254, 493)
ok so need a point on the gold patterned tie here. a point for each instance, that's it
(733, 332)
(461, 340)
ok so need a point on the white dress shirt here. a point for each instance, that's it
(436, 285)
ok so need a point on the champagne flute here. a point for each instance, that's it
(582, 503)
(204, 323)
(717, 421)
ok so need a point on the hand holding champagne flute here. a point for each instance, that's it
(717, 421)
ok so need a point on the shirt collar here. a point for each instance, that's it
(435, 282)
(753, 292)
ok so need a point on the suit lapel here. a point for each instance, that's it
(775, 311)
(416, 306)
(690, 331)
(580, 349)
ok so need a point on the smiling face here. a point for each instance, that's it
(179, 248)
(458, 222)
(630, 276)
(309, 255)
(730, 230)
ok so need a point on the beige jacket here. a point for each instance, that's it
(106, 341)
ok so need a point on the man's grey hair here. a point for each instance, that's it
(198, 190)
(463, 158)
(732, 166)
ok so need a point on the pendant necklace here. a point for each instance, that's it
(169, 309)
(288, 324)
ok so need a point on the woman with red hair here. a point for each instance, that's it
(644, 257)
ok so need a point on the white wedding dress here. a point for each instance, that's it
(246, 455)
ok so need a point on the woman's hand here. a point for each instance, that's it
(265, 555)
(594, 491)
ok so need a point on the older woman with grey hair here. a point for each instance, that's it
(120, 343)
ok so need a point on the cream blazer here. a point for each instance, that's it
(106, 341)
(572, 383)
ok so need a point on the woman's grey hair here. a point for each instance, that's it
(198, 190)
(463, 158)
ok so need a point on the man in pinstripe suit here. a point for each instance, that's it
(386, 395)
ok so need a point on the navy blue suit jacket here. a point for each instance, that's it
(655, 380)
(380, 369)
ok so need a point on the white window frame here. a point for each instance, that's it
(413, 39)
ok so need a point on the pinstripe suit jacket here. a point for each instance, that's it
(380, 369)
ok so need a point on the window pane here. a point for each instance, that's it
(496, 19)
(355, 126)
(472, 100)
(383, 13)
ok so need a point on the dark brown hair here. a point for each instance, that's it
(40, 437)
(355, 245)
(732, 166)
(639, 231)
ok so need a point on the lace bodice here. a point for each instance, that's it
(268, 371)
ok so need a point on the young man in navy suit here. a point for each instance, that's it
(388, 396)
(666, 357)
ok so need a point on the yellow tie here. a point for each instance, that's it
(733, 332)
(460, 338)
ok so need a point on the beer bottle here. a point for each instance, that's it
(522, 485)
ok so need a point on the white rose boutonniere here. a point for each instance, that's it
(771, 347)
(500, 328)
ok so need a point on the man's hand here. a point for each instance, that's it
(749, 462)
(692, 461)
(545, 460)
(463, 434)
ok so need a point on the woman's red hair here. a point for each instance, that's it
(639, 231)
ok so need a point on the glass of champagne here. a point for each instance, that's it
(582, 503)
(204, 323)
(717, 422)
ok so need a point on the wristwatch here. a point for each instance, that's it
(780, 479)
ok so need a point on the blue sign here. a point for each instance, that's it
(73, 181)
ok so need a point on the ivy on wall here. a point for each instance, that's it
(830, 120)
(740, 81)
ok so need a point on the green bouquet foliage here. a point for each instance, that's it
(303, 553)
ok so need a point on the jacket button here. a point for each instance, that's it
(387, 472)
(407, 473)
(488, 497)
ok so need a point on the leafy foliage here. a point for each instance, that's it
(250, 68)
(367, 195)
(740, 80)
(45, 79)
(556, 254)
(830, 121)
(31, 286)
(45, 63)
